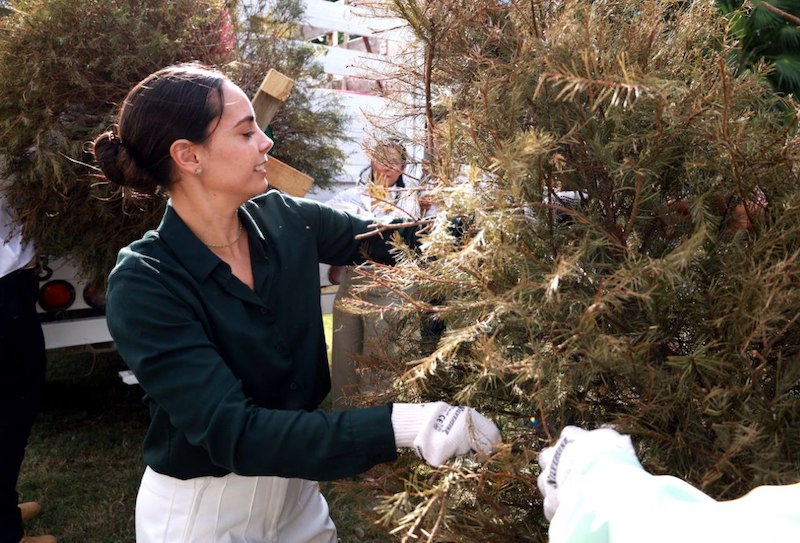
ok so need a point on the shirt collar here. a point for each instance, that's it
(198, 259)
(189, 250)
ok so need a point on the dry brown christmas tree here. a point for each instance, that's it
(630, 253)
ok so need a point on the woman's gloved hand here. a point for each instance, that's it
(574, 450)
(438, 431)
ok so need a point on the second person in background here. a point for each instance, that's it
(382, 193)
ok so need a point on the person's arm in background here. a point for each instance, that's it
(596, 491)
(349, 200)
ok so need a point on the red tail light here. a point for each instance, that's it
(336, 274)
(95, 295)
(56, 295)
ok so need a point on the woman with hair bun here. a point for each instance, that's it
(217, 313)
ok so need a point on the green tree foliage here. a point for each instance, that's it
(770, 32)
(664, 302)
(65, 65)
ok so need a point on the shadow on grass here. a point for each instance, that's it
(83, 461)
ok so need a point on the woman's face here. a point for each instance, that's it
(234, 158)
(387, 168)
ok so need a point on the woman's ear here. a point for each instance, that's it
(184, 156)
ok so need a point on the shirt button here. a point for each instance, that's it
(293, 386)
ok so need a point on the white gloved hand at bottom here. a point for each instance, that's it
(575, 449)
(438, 431)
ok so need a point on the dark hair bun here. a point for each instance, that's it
(119, 167)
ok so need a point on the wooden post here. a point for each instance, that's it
(286, 179)
(274, 90)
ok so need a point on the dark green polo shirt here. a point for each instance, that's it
(233, 377)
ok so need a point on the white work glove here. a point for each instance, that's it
(438, 431)
(574, 450)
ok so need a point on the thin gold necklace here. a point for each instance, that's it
(224, 245)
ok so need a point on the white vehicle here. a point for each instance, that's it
(72, 311)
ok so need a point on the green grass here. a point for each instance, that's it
(83, 461)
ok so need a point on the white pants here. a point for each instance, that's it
(231, 509)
